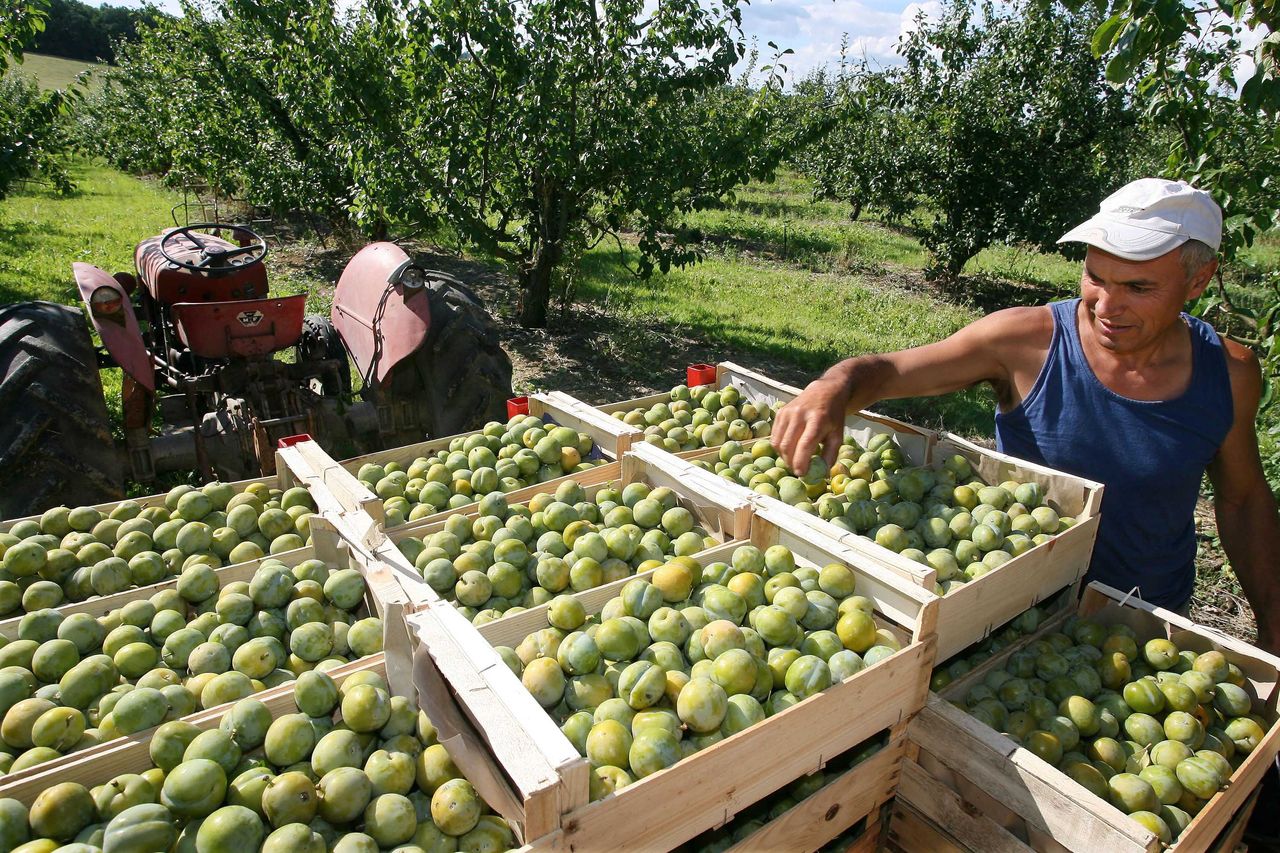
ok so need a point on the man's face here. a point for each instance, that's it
(1131, 304)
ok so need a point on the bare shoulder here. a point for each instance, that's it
(1019, 327)
(1245, 372)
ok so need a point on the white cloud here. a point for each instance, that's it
(814, 29)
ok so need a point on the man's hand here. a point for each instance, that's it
(815, 417)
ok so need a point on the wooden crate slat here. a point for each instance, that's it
(939, 805)
(910, 832)
(610, 434)
(960, 743)
(545, 770)
(839, 804)
(729, 511)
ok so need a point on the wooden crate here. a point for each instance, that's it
(706, 789)
(611, 439)
(725, 518)
(382, 598)
(328, 544)
(952, 825)
(293, 468)
(991, 776)
(132, 753)
(971, 611)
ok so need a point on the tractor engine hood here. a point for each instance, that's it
(381, 308)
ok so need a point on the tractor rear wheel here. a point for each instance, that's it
(460, 377)
(55, 435)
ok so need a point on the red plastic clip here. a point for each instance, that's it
(517, 406)
(701, 374)
(291, 440)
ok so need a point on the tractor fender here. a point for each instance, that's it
(116, 324)
(379, 319)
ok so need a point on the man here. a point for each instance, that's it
(1118, 386)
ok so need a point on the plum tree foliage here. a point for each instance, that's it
(997, 127)
(532, 128)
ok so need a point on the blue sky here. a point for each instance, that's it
(812, 28)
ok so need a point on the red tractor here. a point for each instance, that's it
(215, 370)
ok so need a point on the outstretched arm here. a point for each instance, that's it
(1243, 504)
(982, 351)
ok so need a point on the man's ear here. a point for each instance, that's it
(1201, 280)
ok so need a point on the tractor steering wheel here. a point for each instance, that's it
(213, 257)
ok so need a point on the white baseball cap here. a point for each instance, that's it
(1149, 217)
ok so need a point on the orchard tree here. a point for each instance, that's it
(273, 101)
(20, 22)
(998, 127)
(33, 138)
(533, 128)
(857, 153)
(544, 127)
(1220, 99)
(1016, 134)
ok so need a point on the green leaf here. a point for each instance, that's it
(1108, 31)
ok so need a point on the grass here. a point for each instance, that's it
(99, 224)
(785, 313)
(55, 72)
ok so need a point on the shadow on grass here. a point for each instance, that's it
(25, 282)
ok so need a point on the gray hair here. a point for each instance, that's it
(1194, 255)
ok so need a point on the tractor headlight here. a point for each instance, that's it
(106, 302)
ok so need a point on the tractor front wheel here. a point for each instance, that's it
(320, 341)
(55, 434)
(460, 377)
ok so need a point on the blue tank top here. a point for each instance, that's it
(1150, 455)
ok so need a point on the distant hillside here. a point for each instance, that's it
(79, 31)
(54, 72)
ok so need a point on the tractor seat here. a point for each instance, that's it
(243, 328)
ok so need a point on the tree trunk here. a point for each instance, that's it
(549, 225)
(535, 291)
